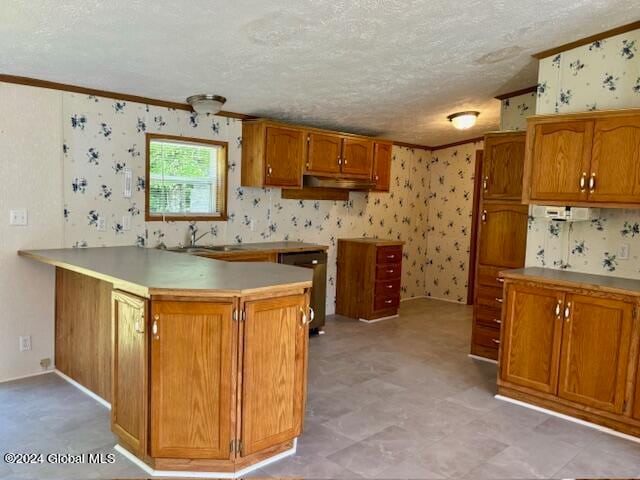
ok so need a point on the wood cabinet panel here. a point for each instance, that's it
(531, 337)
(192, 377)
(561, 157)
(595, 352)
(503, 235)
(502, 166)
(357, 158)
(615, 161)
(129, 371)
(273, 371)
(489, 276)
(284, 151)
(382, 153)
(324, 154)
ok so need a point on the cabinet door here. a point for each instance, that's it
(382, 166)
(191, 379)
(273, 371)
(615, 161)
(502, 167)
(503, 235)
(595, 352)
(357, 158)
(129, 377)
(283, 157)
(561, 159)
(323, 157)
(531, 337)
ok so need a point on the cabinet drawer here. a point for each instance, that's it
(389, 254)
(386, 301)
(388, 287)
(386, 272)
(489, 297)
(489, 276)
(487, 337)
(488, 317)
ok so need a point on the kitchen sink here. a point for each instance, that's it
(203, 249)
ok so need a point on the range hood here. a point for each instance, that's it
(341, 183)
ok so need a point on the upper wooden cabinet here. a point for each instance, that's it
(382, 166)
(583, 159)
(502, 165)
(277, 155)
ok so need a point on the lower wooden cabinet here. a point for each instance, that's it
(129, 412)
(573, 350)
(212, 384)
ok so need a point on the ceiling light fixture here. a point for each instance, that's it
(463, 120)
(206, 103)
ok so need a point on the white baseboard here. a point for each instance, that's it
(381, 319)
(37, 374)
(482, 359)
(448, 300)
(83, 389)
(595, 426)
(188, 474)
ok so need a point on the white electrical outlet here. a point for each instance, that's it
(18, 217)
(126, 222)
(101, 224)
(128, 181)
(25, 343)
(623, 251)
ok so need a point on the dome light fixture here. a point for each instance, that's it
(463, 120)
(206, 103)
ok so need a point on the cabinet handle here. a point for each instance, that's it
(558, 308)
(377, 178)
(303, 317)
(269, 170)
(312, 314)
(567, 311)
(388, 301)
(339, 161)
(583, 181)
(344, 161)
(592, 183)
(495, 340)
(484, 216)
(497, 321)
(485, 183)
(391, 257)
(499, 300)
(390, 286)
(500, 279)
(154, 328)
(390, 270)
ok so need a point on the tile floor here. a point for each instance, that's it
(395, 399)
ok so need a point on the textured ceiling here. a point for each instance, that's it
(382, 67)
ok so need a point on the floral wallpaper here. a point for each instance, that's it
(602, 75)
(104, 138)
(515, 110)
(449, 229)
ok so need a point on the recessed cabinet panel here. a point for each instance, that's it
(595, 352)
(502, 235)
(284, 152)
(531, 337)
(357, 157)
(324, 154)
(561, 160)
(273, 371)
(502, 163)
(382, 166)
(191, 375)
(615, 161)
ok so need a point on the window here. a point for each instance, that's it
(186, 178)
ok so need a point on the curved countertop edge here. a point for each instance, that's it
(587, 281)
(148, 291)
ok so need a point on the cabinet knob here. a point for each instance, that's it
(567, 311)
(484, 216)
(495, 340)
(500, 279)
(592, 183)
(344, 161)
(583, 181)
(499, 300)
(390, 270)
(269, 170)
(377, 178)
(303, 317)
(312, 314)
(558, 308)
(388, 301)
(497, 321)
(339, 161)
(485, 183)
(154, 328)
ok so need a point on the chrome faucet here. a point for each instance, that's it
(194, 235)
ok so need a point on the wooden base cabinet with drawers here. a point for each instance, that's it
(368, 278)
(209, 384)
(501, 237)
(572, 350)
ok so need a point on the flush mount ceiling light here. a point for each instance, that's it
(206, 103)
(463, 120)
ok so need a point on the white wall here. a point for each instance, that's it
(31, 169)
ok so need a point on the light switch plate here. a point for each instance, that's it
(25, 343)
(18, 217)
(126, 223)
(128, 180)
(623, 251)
(102, 224)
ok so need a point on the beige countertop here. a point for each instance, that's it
(147, 271)
(625, 286)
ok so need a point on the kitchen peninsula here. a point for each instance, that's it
(203, 361)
